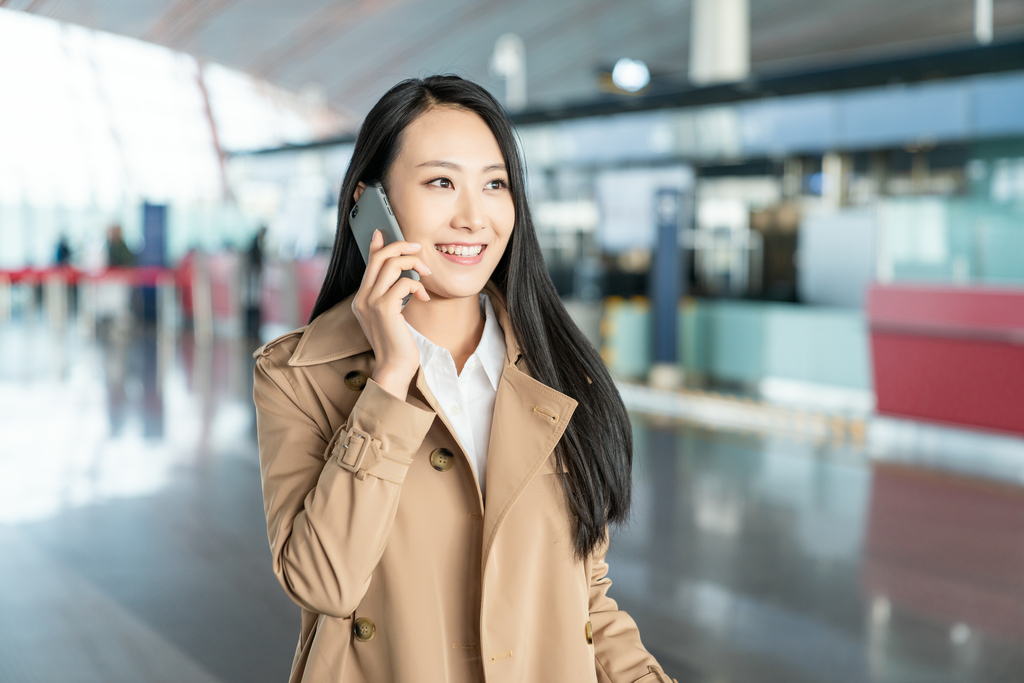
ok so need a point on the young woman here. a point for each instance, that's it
(438, 481)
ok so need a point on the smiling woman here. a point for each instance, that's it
(381, 429)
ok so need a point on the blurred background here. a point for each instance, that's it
(794, 229)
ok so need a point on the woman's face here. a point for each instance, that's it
(449, 190)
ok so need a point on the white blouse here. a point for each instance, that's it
(468, 399)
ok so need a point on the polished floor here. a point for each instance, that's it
(133, 546)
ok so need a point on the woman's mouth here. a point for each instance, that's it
(463, 254)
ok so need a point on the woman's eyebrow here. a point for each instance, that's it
(455, 167)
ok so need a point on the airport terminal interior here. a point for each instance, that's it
(794, 231)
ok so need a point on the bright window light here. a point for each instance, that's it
(92, 119)
(92, 124)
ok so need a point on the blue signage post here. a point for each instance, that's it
(666, 281)
(154, 252)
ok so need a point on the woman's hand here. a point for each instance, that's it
(378, 307)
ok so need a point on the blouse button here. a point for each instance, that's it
(356, 380)
(442, 459)
(456, 409)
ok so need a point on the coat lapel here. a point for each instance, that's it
(529, 419)
(427, 396)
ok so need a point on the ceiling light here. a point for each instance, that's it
(630, 74)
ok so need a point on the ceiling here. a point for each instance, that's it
(353, 50)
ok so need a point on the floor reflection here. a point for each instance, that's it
(765, 559)
(131, 515)
(948, 547)
(135, 547)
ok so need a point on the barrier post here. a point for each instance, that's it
(5, 299)
(166, 304)
(87, 308)
(290, 294)
(202, 300)
(56, 298)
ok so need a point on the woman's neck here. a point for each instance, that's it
(453, 324)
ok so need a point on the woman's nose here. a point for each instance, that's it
(469, 212)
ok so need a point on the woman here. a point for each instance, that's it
(377, 458)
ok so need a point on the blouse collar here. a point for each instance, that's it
(490, 351)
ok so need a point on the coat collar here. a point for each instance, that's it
(337, 334)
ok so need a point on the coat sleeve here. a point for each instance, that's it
(619, 654)
(330, 501)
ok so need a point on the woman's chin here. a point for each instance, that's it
(457, 290)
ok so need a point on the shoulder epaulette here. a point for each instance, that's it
(274, 342)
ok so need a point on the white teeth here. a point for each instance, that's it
(460, 250)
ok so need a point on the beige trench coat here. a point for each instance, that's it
(381, 536)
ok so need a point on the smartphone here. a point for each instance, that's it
(373, 212)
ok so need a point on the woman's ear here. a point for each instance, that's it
(359, 191)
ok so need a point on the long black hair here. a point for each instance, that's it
(596, 449)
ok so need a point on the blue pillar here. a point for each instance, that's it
(666, 281)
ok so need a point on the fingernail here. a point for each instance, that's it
(415, 244)
(427, 269)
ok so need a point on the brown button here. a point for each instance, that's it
(356, 380)
(589, 631)
(364, 629)
(442, 459)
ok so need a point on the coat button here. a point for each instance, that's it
(364, 629)
(356, 380)
(442, 459)
(589, 631)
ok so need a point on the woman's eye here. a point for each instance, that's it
(441, 182)
(497, 184)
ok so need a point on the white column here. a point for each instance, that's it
(719, 41)
(983, 21)
(835, 179)
(509, 62)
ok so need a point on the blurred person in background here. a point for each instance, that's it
(114, 298)
(118, 253)
(251, 291)
(62, 259)
(383, 430)
(62, 256)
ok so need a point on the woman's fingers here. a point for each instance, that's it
(379, 255)
(391, 271)
(379, 252)
(401, 289)
(375, 244)
(391, 300)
